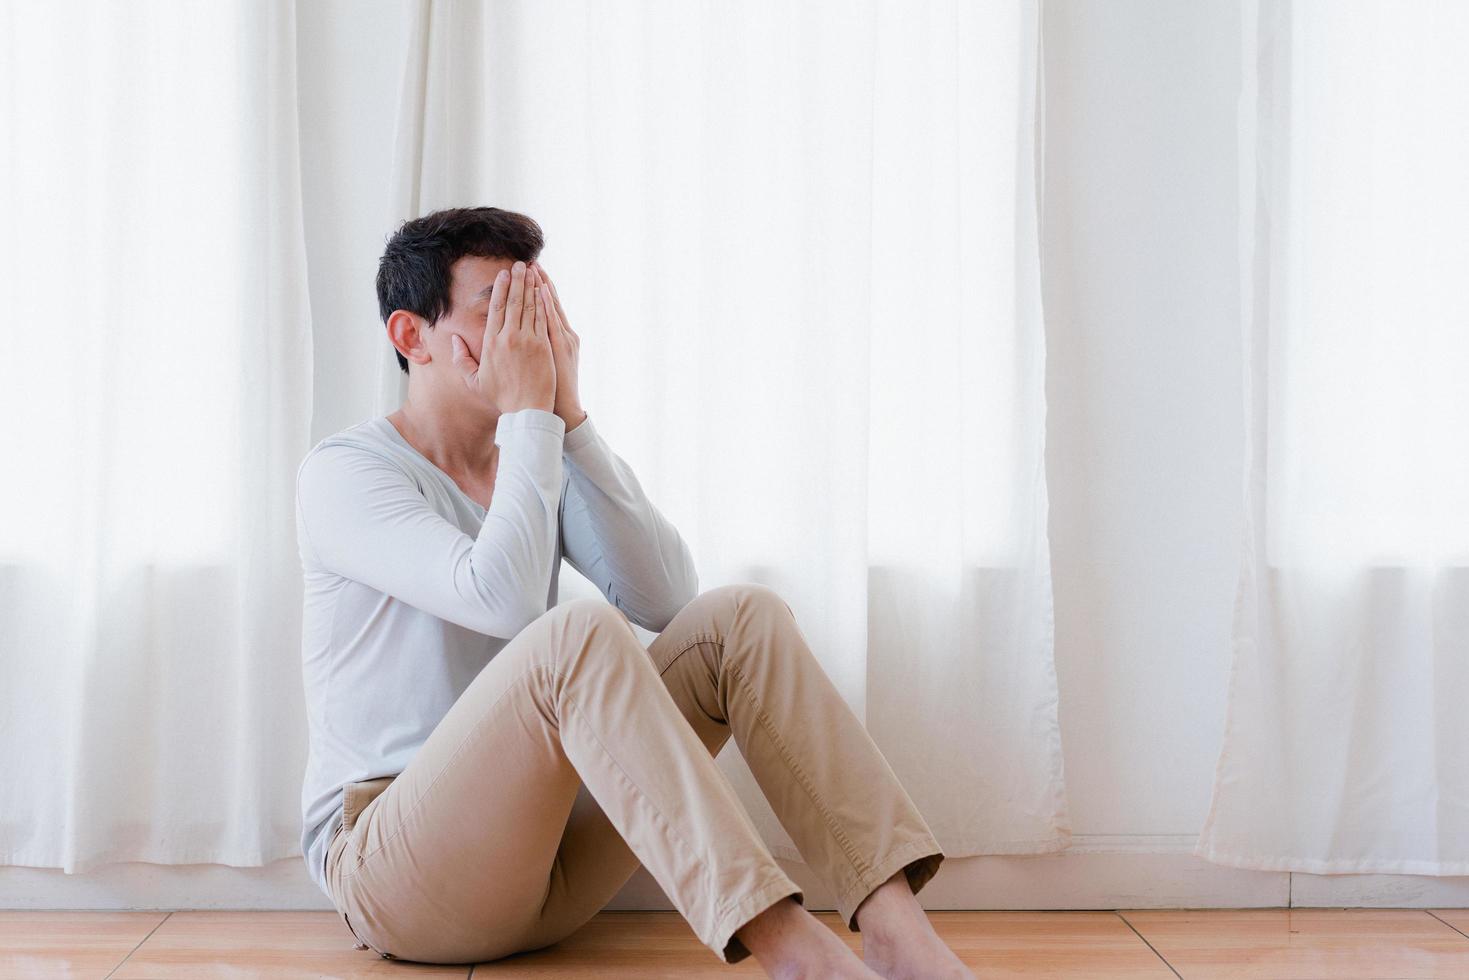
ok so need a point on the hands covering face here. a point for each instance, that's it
(565, 349)
(530, 347)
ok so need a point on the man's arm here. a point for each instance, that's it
(363, 518)
(614, 535)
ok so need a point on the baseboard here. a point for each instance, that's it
(1096, 872)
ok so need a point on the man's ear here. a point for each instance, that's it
(405, 332)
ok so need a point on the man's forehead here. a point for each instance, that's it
(476, 276)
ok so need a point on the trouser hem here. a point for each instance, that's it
(895, 860)
(724, 943)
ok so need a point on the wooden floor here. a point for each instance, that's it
(1270, 944)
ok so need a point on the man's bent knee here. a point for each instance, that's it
(748, 593)
(588, 606)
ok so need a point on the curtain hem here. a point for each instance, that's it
(1436, 869)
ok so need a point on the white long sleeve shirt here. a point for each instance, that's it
(411, 586)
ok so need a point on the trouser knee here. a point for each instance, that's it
(589, 622)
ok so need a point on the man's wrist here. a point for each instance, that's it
(573, 418)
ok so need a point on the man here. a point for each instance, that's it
(488, 767)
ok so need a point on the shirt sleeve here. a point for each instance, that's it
(612, 534)
(365, 519)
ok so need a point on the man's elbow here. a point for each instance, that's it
(687, 586)
(657, 617)
(653, 622)
(505, 623)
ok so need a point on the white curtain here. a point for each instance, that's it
(157, 402)
(799, 244)
(1347, 742)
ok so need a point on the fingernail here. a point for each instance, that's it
(502, 274)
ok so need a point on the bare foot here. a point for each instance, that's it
(792, 944)
(898, 941)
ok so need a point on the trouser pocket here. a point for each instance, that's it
(355, 799)
(356, 796)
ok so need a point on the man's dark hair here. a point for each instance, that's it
(414, 271)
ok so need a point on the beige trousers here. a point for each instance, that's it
(576, 754)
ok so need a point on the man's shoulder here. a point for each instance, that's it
(367, 433)
(362, 443)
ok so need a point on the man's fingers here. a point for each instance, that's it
(555, 299)
(514, 307)
(499, 295)
(553, 319)
(528, 311)
(543, 320)
(461, 357)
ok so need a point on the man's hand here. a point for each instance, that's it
(515, 368)
(565, 351)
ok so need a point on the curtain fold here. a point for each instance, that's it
(1347, 746)
(149, 582)
(799, 243)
